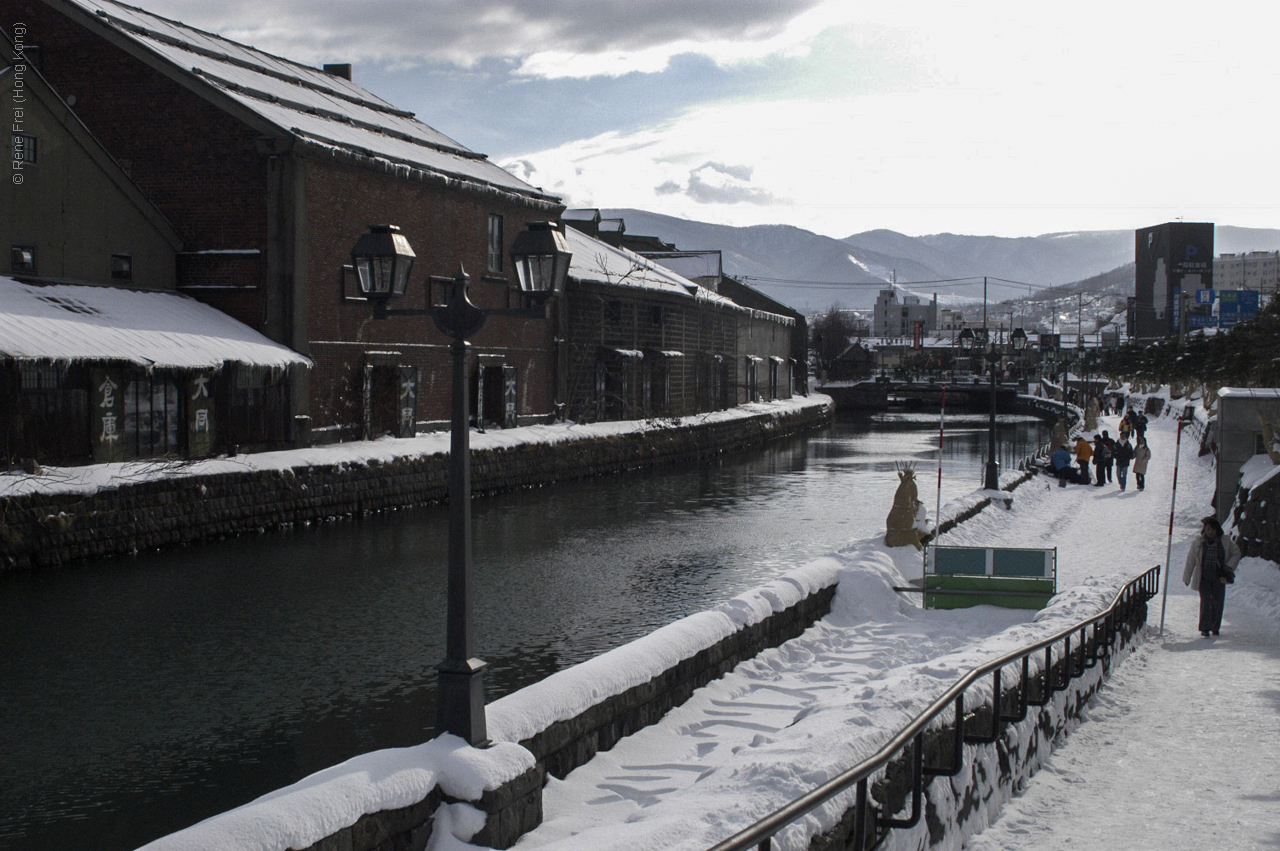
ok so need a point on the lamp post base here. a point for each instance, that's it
(991, 481)
(460, 701)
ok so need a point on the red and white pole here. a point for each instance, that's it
(1173, 501)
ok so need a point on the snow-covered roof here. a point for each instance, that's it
(1249, 393)
(318, 108)
(691, 264)
(65, 322)
(599, 262)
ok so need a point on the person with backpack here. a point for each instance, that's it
(1124, 454)
(1109, 458)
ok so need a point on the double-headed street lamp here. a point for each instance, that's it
(383, 260)
(969, 341)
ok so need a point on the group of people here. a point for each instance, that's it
(1110, 458)
(1213, 556)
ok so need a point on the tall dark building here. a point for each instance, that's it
(1174, 260)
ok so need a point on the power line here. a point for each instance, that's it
(940, 283)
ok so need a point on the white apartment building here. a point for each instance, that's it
(1254, 270)
(893, 318)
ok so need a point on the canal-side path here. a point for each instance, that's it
(1178, 749)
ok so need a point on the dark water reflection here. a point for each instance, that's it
(139, 696)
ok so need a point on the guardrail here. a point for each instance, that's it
(1098, 638)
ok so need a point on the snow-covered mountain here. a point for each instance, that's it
(813, 272)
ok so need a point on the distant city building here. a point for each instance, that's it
(893, 318)
(1255, 270)
(950, 320)
(1173, 260)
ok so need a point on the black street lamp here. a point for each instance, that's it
(382, 259)
(1017, 342)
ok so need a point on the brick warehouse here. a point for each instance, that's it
(269, 171)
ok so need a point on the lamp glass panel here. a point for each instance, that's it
(364, 274)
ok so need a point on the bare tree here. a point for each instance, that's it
(830, 334)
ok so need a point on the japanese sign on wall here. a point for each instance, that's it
(200, 427)
(106, 402)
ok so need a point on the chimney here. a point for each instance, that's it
(342, 70)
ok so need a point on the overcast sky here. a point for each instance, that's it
(921, 116)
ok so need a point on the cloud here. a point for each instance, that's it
(713, 183)
(551, 38)
(717, 183)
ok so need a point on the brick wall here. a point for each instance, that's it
(196, 163)
(39, 530)
(447, 228)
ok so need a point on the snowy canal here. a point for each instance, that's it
(143, 695)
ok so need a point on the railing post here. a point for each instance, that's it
(917, 787)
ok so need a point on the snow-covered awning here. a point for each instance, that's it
(67, 323)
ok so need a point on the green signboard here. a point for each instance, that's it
(1014, 578)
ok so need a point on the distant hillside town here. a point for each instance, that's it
(214, 249)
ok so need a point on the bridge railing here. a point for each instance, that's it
(1078, 648)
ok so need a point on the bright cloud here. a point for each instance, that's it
(919, 115)
(551, 38)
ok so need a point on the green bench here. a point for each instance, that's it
(958, 577)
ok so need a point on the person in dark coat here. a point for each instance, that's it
(1109, 456)
(1100, 457)
(1124, 454)
(1211, 567)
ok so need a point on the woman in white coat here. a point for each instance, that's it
(1211, 567)
(1141, 457)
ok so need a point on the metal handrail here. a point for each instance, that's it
(868, 823)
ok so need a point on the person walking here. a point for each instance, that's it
(1084, 452)
(1108, 457)
(1211, 567)
(1140, 425)
(1100, 458)
(1141, 457)
(1124, 454)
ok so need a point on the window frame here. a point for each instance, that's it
(495, 243)
(15, 268)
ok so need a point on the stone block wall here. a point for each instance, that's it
(42, 530)
(1257, 520)
(515, 808)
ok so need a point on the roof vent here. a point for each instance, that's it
(342, 70)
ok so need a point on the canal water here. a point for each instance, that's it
(138, 696)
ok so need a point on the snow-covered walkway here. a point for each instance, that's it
(1180, 752)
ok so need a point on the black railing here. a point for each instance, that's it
(1097, 640)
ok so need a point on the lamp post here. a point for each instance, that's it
(992, 351)
(383, 259)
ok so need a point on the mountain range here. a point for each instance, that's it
(813, 273)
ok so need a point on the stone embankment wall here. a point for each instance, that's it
(40, 530)
(1257, 520)
(515, 808)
